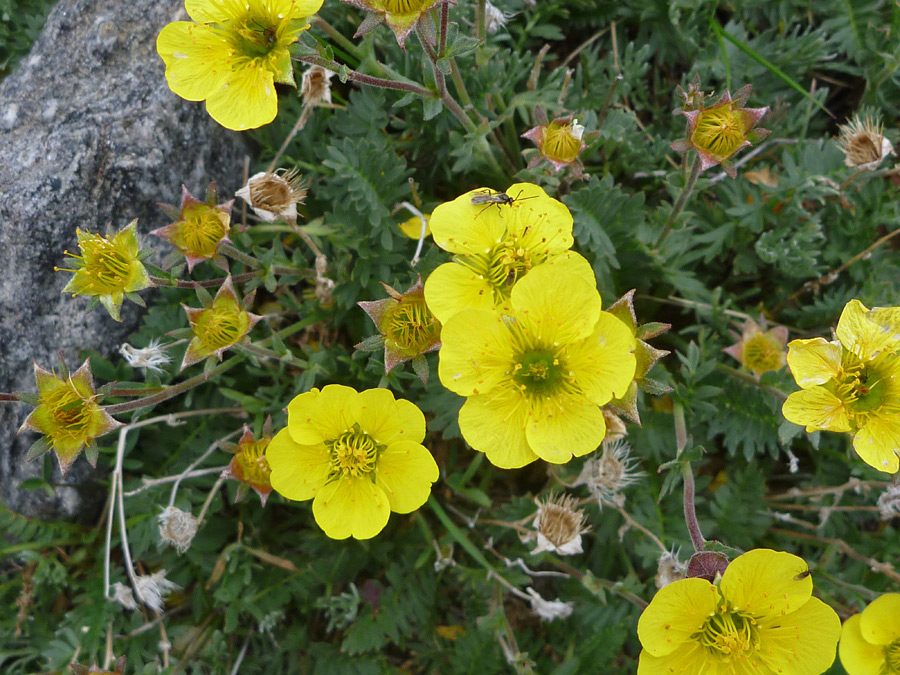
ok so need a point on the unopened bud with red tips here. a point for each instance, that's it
(109, 268)
(408, 328)
(218, 327)
(249, 464)
(716, 133)
(760, 350)
(67, 414)
(559, 142)
(199, 228)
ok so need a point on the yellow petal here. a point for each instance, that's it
(816, 408)
(603, 365)
(858, 656)
(196, 58)
(495, 425)
(351, 507)
(878, 444)
(802, 642)
(245, 98)
(299, 8)
(211, 11)
(858, 333)
(387, 420)
(689, 659)
(476, 353)
(543, 223)
(555, 308)
(570, 262)
(888, 320)
(318, 416)
(880, 621)
(564, 425)
(298, 471)
(405, 471)
(814, 361)
(463, 227)
(767, 583)
(676, 612)
(453, 287)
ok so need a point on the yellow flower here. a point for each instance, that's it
(870, 641)
(759, 618)
(536, 375)
(233, 56)
(495, 245)
(760, 351)
(218, 327)
(250, 466)
(412, 227)
(108, 268)
(357, 455)
(559, 142)
(68, 416)
(853, 383)
(199, 227)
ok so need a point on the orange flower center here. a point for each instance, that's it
(729, 634)
(353, 455)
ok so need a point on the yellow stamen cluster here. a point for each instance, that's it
(219, 328)
(70, 412)
(403, 6)
(720, 130)
(729, 634)
(353, 455)
(411, 325)
(561, 143)
(253, 463)
(762, 354)
(202, 231)
(892, 658)
(104, 265)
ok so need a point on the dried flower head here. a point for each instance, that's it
(109, 268)
(68, 415)
(758, 351)
(95, 669)
(178, 527)
(610, 473)
(218, 327)
(407, 326)
(199, 228)
(150, 589)
(889, 503)
(315, 85)
(400, 16)
(560, 142)
(274, 195)
(559, 524)
(150, 357)
(250, 466)
(669, 568)
(863, 143)
(495, 18)
(718, 132)
(548, 610)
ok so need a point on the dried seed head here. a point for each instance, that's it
(669, 569)
(559, 525)
(607, 475)
(150, 588)
(863, 144)
(150, 357)
(178, 528)
(495, 18)
(315, 86)
(123, 595)
(889, 503)
(274, 195)
(548, 610)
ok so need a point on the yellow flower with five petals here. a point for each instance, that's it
(536, 374)
(870, 640)
(357, 455)
(852, 384)
(232, 54)
(760, 617)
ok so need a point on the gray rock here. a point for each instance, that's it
(90, 135)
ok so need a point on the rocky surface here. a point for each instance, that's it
(90, 136)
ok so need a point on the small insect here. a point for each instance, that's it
(802, 575)
(496, 198)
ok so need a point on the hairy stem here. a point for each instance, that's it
(681, 201)
(690, 509)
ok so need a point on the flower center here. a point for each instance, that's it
(71, 413)
(202, 232)
(411, 325)
(256, 37)
(538, 372)
(253, 462)
(404, 6)
(719, 131)
(892, 659)
(761, 354)
(508, 261)
(729, 634)
(353, 455)
(218, 329)
(106, 265)
(861, 384)
(560, 144)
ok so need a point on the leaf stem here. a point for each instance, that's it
(690, 509)
(681, 201)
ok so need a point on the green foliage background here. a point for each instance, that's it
(744, 247)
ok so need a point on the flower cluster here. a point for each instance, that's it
(357, 455)
(852, 384)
